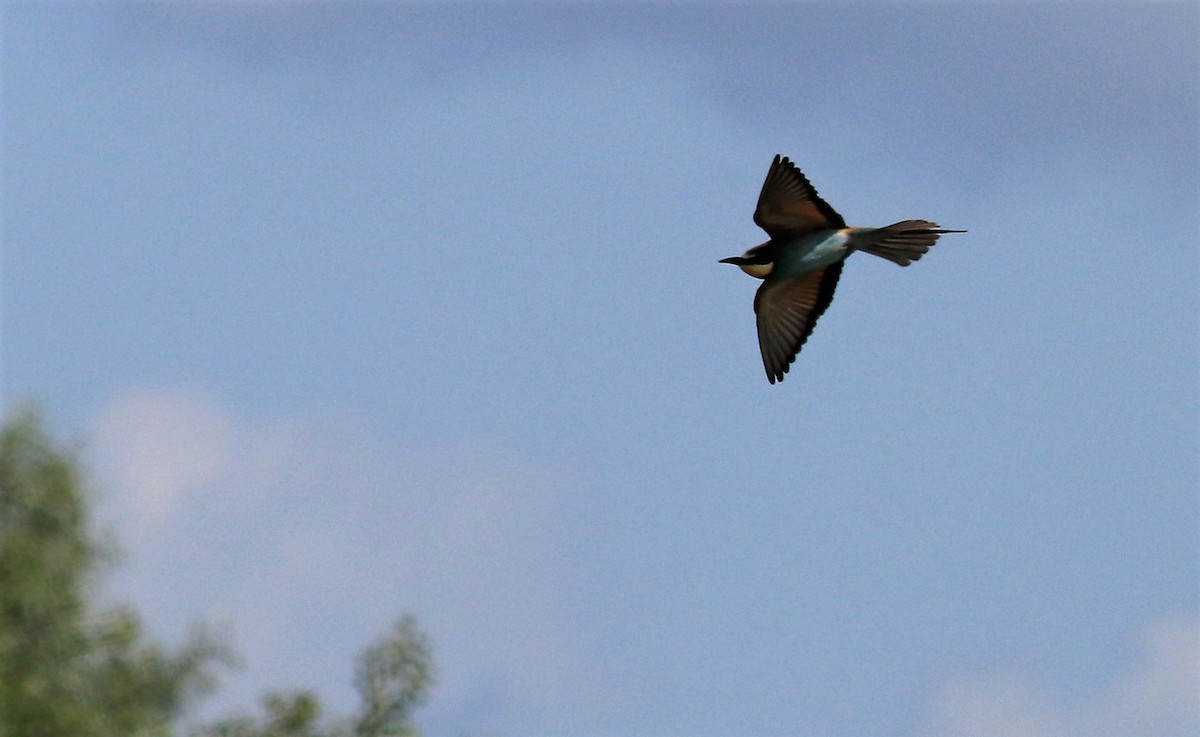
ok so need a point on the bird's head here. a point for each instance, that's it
(757, 262)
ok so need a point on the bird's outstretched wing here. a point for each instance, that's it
(787, 311)
(789, 205)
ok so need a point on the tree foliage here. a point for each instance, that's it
(393, 678)
(286, 715)
(64, 668)
(68, 669)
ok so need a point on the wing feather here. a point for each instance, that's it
(789, 205)
(787, 311)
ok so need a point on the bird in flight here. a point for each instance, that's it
(801, 263)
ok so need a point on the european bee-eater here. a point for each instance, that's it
(802, 261)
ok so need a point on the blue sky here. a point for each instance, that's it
(366, 309)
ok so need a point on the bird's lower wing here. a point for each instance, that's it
(787, 311)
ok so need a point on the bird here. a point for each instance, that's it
(801, 263)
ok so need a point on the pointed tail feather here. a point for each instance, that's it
(905, 241)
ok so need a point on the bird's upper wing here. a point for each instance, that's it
(787, 310)
(788, 203)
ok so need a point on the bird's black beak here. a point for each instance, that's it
(735, 260)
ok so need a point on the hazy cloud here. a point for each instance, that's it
(1158, 697)
(157, 447)
(277, 525)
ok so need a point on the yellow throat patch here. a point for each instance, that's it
(758, 271)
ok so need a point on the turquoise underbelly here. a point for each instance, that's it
(812, 252)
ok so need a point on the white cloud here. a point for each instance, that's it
(310, 536)
(1159, 697)
(157, 447)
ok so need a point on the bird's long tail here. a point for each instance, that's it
(903, 242)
